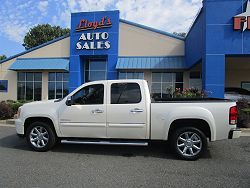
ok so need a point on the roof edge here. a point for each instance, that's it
(152, 29)
(194, 21)
(26, 58)
(151, 56)
(35, 48)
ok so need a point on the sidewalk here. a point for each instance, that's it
(8, 121)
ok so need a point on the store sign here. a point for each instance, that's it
(93, 41)
(242, 21)
(88, 25)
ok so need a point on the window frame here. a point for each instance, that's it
(173, 81)
(141, 96)
(4, 82)
(72, 96)
(88, 71)
(126, 75)
(33, 81)
(60, 82)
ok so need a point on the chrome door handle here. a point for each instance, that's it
(136, 110)
(97, 111)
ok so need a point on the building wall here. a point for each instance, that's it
(237, 71)
(238, 77)
(56, 49)
(195, 42)
(79, 55)
(11, 76)
(136, 41)
(221, 39)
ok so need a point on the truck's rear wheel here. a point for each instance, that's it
(188, 143)
(40, 136)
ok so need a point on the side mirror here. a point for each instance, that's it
(69, 101)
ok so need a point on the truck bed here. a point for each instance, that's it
(188, 100)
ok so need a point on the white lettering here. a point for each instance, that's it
(92, 45)
(78, 46)
(107, 45)
(97, 36)
(85, 46)
(100, 45)
(105, 35)
(82, 37)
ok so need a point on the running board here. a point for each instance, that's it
(97, 142)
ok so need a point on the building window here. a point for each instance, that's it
(29, 86)
(164, 84)
(95, 69)
(245, 85)
(131, 75)
(3, 85)
(195, 80)
(58, 85)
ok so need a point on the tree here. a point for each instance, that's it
(2, 57)
(180, 34)
(43, 33)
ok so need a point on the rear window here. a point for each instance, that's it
(237, 91)
(125, 93)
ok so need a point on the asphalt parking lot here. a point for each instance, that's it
(226, 164)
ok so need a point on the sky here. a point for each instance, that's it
(18, 16)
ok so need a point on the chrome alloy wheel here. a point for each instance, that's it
(189, 144)
(39, 137)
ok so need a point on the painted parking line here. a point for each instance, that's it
(6, 125)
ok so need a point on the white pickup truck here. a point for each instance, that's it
(120, 112)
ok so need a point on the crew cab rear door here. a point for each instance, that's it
(126, 110)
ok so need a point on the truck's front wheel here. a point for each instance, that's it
(40, 136)
(188, 143)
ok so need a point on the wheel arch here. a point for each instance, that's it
(30, 120)
(200, 124)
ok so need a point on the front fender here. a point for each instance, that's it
(52, 117)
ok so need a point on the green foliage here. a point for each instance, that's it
(180, 34)
(2, 57)
(5, 111)
(9, 108)
(43, 33)
(244, 113)
(189, 93)
(14, 105)
(246, 110)
(242, 104)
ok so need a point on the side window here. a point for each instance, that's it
(89, 95)
(125, 93)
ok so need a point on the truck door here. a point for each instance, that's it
(86, 116)
(126, 111)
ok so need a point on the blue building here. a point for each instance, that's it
(213, 55)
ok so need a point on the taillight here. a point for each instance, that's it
(233, 115)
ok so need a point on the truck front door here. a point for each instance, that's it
(126, 111)
(86, 116)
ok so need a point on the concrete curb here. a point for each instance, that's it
(8, 121)
(245, 130)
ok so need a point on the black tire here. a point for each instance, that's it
(190, 138)
(44, 139)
